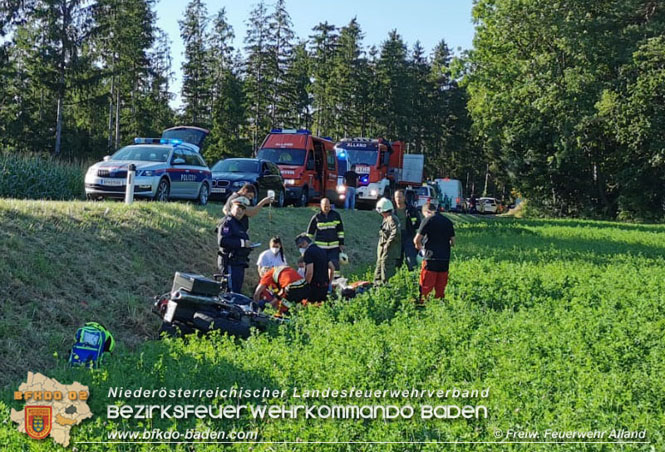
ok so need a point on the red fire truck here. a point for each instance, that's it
(381, 165)
(308, 164)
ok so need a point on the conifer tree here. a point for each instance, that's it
(297, 102)
(324, 43)
(257, 72)
(394, 86)
(228, 112)
(280, 47)
(195, 85)
(347, 79)
(420, 105)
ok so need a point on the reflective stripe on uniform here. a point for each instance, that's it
(328, 245)
(297, 284)
(327, 224)
(276, 272)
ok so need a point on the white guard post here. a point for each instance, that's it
(129, 192)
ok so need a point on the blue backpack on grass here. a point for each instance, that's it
(93, 342)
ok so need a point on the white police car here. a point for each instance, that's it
(166, 168)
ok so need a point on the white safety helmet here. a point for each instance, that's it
(343, 258)
(384, 205)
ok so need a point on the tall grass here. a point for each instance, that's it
(38, 177)
(562, 319)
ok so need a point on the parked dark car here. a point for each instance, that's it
(230, 174)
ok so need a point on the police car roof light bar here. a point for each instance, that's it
(140, 140)
(170, 141)
(298, 131)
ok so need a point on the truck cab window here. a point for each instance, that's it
(332, 158)
(310, 160)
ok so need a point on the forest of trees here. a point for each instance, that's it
(562, 102)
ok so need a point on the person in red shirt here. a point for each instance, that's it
(290, 286)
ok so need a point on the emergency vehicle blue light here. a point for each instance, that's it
(364, 179)
(327, 138)
(170, 141)
(342, 154)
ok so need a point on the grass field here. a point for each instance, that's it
(65, 263)
(562, 320)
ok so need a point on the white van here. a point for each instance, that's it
(452, 188)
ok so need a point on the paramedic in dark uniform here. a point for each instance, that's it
(234, 244)
(319, 270)
(327, 231)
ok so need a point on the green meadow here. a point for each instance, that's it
(563, 321)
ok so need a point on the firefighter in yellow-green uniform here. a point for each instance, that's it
(327, 231)
(389, 249)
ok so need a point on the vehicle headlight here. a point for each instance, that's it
(289, 181)
(373, 192)
(341, 189)
(146, 173)
(92, 170)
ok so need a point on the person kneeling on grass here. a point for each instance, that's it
(289, 286)
(435, 236)
(319, 271)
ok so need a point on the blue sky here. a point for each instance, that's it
(427, 21)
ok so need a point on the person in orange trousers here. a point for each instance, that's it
(434, 239)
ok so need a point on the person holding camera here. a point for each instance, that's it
(248, 191)
(234, 244)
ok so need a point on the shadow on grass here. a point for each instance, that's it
(63, 271)
(192, 364)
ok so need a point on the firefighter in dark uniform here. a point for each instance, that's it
(389, 249)
(327, 231)
(234, 245)
(409, 219)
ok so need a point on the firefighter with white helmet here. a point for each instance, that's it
(390, 243)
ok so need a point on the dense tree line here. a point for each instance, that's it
(559, 101)
(567, 100)
(81, 78)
